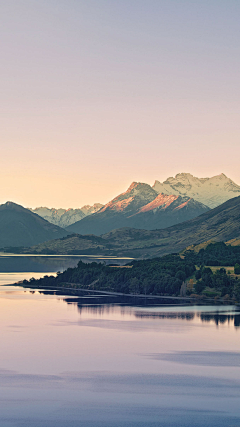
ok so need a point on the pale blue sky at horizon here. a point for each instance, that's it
(97, 94)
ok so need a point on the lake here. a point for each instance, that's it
(10, 263)
(86, 361)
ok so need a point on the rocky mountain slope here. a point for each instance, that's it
(139, 207)
(21, 227)
(65, 217)
(210, 191)
(219, 224)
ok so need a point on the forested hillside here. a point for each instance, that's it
(160, 276)
(157, 276)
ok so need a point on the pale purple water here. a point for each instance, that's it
(114, 366)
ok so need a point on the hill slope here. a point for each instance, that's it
(139, 207)
(219, 224)
(21, 227)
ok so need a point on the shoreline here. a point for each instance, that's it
(188, 299)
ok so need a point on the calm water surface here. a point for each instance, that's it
(72, 362)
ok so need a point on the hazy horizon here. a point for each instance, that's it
(98, 94)
(96, 201)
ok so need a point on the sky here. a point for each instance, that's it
(96, 94)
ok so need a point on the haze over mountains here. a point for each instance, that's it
(139, 207)
(65, 217)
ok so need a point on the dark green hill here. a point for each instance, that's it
(21, 227)
(74, 244)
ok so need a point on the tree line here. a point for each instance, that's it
(151, 276)
(157, 276)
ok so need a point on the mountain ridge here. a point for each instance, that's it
(21, 227)
(140, 206)
(219, 224)
(65, 217)
(210, 191)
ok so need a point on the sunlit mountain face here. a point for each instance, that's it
(142, 198)
(140, 207)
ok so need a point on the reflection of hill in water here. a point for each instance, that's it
(106, 304)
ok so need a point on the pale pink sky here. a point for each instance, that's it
(97, 94)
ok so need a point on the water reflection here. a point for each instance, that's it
(173, 315)
(217, 318)
(99, 361)
(221, 318)
(148, 308)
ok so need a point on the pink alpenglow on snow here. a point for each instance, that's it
(162, 200)
(117, 205)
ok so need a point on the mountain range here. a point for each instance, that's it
(65, 217)
(177, 199)
(219, 224)
(211, 192)
(139, 207)
(21, 227)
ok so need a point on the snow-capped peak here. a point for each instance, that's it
(209, 191)
(137, 195)
(66, 217)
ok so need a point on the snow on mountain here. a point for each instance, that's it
(161, 201)
(88, 210)
(137, 195)
(211, 192)
(65, 217)
(140, 198)
(140, 207)
(165, 211)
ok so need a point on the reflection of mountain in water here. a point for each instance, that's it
(100, 304)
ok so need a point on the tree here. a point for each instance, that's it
(134, 286)
(198, 274)
(146, 286)
(199, 286)
(180, 275)
(207, 270)
(236, 291)
(237, 269)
